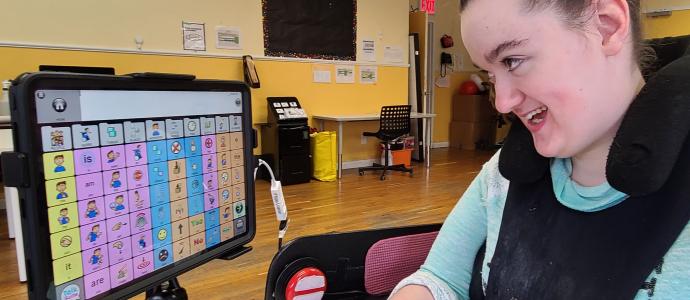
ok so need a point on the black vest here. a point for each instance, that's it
(548, 251)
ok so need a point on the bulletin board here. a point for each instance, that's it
(310, 29)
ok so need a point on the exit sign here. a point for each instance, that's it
(429, 6)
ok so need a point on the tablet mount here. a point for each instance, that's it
(168, 290)
(172, 290)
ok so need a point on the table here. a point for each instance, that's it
(340, 119)
(12, 206)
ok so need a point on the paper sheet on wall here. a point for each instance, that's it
(228, 38)
(193, 36)
(368, 50)
(443, 82)
(458, 64)
(344, 74)
(322, 73)
(368, 74)
(393, 54)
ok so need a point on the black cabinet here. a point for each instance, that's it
(286, 140)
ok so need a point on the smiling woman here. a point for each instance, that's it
(570, 72)
(538, 61)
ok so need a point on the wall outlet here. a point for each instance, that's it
(364, 140)
(138, 41)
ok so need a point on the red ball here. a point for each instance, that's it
(468, 87)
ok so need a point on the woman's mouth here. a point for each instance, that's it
(535, 118)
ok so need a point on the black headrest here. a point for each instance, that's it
(667, 50)
(519, 161)
(646, 146)
(653, 132)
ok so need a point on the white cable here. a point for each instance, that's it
(270, 171)
(278, 202)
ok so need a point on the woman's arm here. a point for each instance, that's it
(413, 292)
(447, 271)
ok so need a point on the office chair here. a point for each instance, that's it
(395, 122)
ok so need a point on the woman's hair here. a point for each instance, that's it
(576, 13)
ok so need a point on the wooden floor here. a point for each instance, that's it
(354, 203)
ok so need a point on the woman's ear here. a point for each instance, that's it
(612, 19)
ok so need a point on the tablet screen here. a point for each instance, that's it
(137, 182)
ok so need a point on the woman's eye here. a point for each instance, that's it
(512, 63)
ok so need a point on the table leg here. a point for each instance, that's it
(340, 149)
(427, 144)
(12, 198)
(8, 208)
(323, 127)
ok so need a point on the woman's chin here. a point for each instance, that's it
(545, 148)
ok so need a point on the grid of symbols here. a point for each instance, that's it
(126, 199)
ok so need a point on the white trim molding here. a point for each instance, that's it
(666, 9)
(440, 145)
(189, 54)
(353, 164)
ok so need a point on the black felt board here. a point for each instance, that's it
(321, 29)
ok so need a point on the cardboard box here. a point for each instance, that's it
(465, 135)
(472, 108)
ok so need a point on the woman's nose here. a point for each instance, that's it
(507, 96)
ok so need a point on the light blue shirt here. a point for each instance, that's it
(476, 218)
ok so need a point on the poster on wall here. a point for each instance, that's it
(368, 50)
(368, 74)
(393, 54)
(193, 36)
(228, 38)
(322, 73)
(344, 74)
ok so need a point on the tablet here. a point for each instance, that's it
(129, 180)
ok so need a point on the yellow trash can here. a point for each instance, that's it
(324, 155)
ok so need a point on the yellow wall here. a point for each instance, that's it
(444, 106)
(115, 24)
(447, 21)
(102, 33)
(277, 79)
(678, 23)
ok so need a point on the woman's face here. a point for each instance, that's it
(557, 80)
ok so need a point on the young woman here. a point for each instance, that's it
(569, 71)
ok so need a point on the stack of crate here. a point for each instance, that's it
(474, 122)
